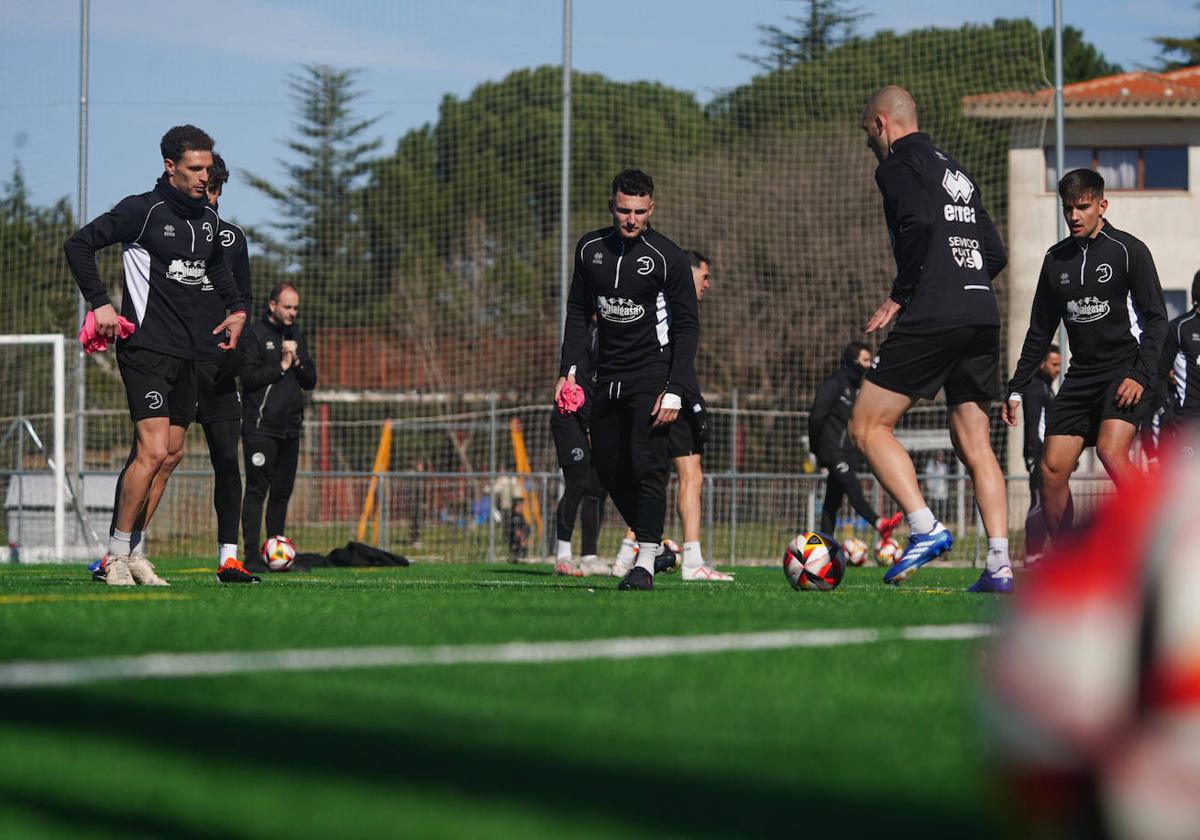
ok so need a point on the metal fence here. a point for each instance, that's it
(458, 515)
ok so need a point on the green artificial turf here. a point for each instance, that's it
(857, 740)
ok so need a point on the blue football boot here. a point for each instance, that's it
(920, 550)
(994, 583)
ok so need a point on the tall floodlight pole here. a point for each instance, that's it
(564, 243)
(80, 307)
(1059, 146)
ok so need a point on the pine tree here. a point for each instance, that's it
(828, 24)
(1175, 53)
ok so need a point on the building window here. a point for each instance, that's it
(1145, 168)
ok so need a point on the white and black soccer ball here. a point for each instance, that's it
(814, 561)
(278, 553)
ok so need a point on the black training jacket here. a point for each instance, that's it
(829, 415)
(642, 294)
(273, 399)
(233, 243)
(1035, 400)
(1107, 293)
(947, 249)
(178, 286)
(1181, 352)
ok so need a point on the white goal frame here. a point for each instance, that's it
(58, 446)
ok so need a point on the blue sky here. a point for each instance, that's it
(224, 64)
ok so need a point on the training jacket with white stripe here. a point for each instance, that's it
(947, 250)
(647, 327)
(1181, 353)
(1106, 291)
(173, 266)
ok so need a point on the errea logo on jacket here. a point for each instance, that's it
(958, 186)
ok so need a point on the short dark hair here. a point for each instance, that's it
(1081, 183)
(184, 138)
(1196, 288)
(696, 257)
(633, 182)
(218, 174)
(279, 288)
(1053, 348)
(852, 349)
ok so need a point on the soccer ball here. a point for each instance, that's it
(278, 553)
(814, 561)
(670, 560)
(855, 551)
(887, 552)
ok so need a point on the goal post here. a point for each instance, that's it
(58, 443)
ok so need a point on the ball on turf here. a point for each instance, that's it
(278, 553)
(855, 551)
(887, 552)
(814, 561)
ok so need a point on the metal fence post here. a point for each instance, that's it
(491, 491)
(708, 513)
(733, 487)
(384, 540)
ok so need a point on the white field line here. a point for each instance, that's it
(18, 675)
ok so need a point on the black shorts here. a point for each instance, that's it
(217, 396)
(965, 361)
(158, 385)
(1084, 402)
(684, 438)
(570, 439)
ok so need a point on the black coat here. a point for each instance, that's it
(272, 398)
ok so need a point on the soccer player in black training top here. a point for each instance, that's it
(1035, 401)
(639, 285)
(1181, 356)
(173, 265)
(1101, 282)
(218, 409)
(948, 334)
(830, 442)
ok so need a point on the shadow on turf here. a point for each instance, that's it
(64, 812)
(666, 798)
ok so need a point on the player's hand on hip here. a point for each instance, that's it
(1129, 394)
(1009, 412)
(883, 315)
(106, 320)
(232, 327)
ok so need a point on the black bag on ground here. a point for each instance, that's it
(354, 554)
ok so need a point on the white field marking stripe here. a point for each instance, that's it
(17, 675)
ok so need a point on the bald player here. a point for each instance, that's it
(946, 334)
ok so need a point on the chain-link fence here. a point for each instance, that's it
(428, 265)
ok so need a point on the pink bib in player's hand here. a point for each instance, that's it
(570, 398)
(93, 341)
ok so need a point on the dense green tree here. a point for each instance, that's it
(319, 226)
(1176, 52)
(1081, 60)
(826, 24)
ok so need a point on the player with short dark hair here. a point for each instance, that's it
(685, 445)
(829, 440)
(218, 409)
(947, 336)
(173, 267)
(1101, 282)
(1036, 399)
(639, 286)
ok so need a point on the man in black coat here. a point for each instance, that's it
(276, 370)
